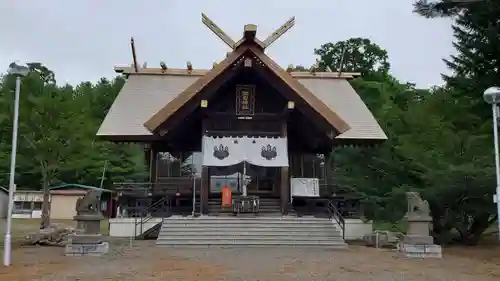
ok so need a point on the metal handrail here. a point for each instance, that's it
(334, 212)
(144, 219)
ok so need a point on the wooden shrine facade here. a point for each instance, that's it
(245, 95)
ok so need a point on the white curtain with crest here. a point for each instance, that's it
(267, 152)
(229, 151)
(222, 152)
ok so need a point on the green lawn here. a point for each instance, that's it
(388, 226)
(21, 227)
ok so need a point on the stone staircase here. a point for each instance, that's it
(262, 231)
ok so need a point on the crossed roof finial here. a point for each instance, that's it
(249, 33)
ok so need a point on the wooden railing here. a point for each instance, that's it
(164, 186)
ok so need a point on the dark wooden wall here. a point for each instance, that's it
(270, 113)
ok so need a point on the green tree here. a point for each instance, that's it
(354, 55)
(475, 67)
(57, 127)
(438, 145)
(446, 8)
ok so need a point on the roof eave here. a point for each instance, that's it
(173, 106)
(127, 70)
(129, 138)
(332, 117)
(359, 141)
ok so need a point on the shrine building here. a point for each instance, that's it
(247, 125)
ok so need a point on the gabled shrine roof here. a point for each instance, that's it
(140, 98)
(339, 95)
(145, 94)
(231, 62)
(152, 95)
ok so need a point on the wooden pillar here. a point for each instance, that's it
(147, 156)
(205, 174)
(285, 179)
(328, 173)
(326, 189)
(204, 190)
(153, 165)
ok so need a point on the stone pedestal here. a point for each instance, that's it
(417, 243)
(420, 251)
(88, 241)
(418, 230)
(89, 223)
(86, 249)
(418, 240)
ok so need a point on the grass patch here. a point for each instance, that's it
(21, 227)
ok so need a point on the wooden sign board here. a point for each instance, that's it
(245, 99)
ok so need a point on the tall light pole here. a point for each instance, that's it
(492, 96)
(18, 71)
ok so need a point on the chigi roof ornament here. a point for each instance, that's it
(249, 33)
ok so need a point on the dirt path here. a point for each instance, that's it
(143, 261)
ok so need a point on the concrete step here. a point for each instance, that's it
(262, 219)
(258, 233)
(222, 243)
(250, 219)
(245, 226)
(257, 245)
(252, 225)
(222, 226)
(265, 231)
(224, 239)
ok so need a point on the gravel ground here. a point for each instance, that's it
(143, 261)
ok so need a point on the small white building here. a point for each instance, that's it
(27, 204)
(62, 202)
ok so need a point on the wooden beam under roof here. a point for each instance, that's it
(126, 70)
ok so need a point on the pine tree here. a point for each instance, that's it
(477, 62)
(442, 8)
(475, 67)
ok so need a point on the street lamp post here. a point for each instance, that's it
(492, 96)
(18, 71)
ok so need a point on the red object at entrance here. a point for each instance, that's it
(226, 196)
